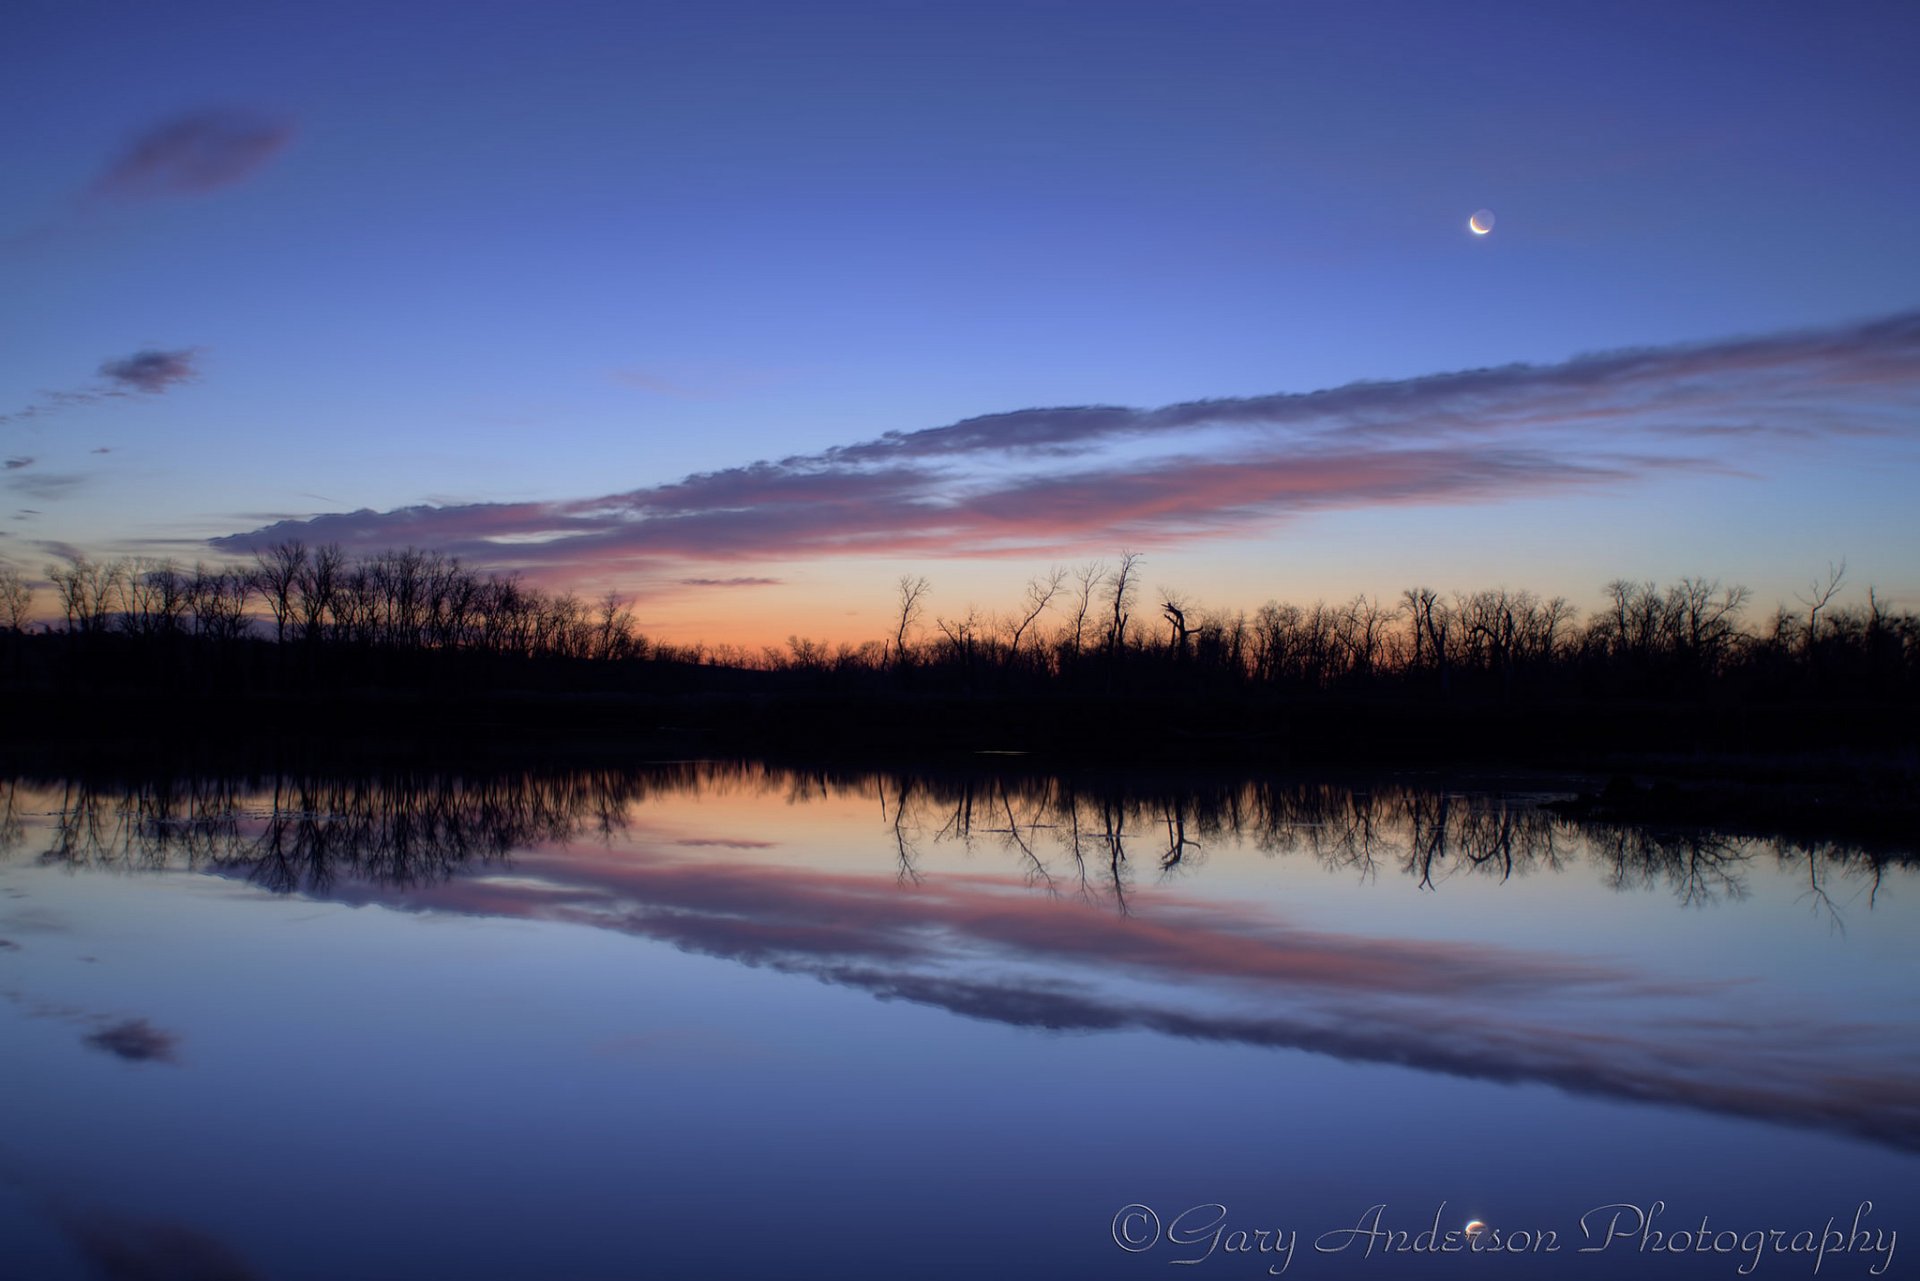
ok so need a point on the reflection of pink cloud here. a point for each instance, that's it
(848, 916)
(1202, 468)
(982, 947)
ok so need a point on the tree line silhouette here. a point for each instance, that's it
(302, 621)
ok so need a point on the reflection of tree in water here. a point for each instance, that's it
(1698, 867)
(404, 827)
(11, 830)
(306, 832)
(1822, 860)
(1062, 830)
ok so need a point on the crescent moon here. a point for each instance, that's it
(1481, 223)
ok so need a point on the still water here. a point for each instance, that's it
(729, 1020)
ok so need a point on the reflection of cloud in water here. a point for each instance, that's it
(33, 920)
(980, 947)
(509, 846)
(136, 1041)
(123, 1249)
(132, 1039)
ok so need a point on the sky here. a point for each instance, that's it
(744, 310)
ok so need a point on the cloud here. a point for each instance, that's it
(1036, 481)
(151, 371)
(644, 381)
(194, 154)
(16, 464)
(136, 1041)
(45, 486)
(731, 582)
(1701, 387)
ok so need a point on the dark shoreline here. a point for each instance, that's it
(1732, 769)
(1661, 736)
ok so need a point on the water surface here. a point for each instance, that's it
(718, 1020)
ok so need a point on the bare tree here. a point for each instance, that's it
(613, 631)
(318, 582)
(1121, 589)
(276, 573)
(1174, 609)
(1704, 617)
(1819, 596)
(90, 592)
(1040, 593)
(1085, 579)
(16, 599)
(1432, 629)
(1362, 625)
(962, 635)
(217, 599)
(913, 593)
(157, 598)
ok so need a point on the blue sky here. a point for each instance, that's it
(485, 272)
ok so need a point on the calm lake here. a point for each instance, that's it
(729, 1020)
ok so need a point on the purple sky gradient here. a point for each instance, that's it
(794, 299)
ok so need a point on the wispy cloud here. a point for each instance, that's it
(151, 371)
(744, 581)
(1052, 479)
(1695, 387)
(43, 486)
(641, 380)
(183, 156)
(192, 154)
(17, 464)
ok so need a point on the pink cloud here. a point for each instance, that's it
(1043, 480)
